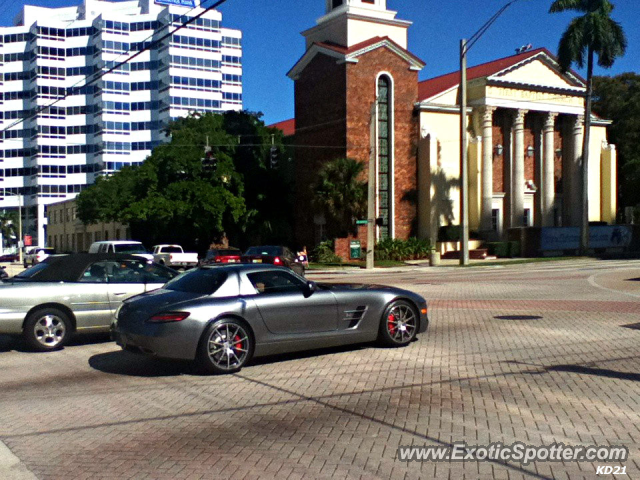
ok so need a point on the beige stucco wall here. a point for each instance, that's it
(66, 233)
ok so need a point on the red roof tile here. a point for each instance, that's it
(433, 86)
(288, 127)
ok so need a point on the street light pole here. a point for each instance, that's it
(20, 228)
(464, 164)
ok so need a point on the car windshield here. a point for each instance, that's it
(270, 251)
(48, 251)
(203, 281)
(30, 272)
(129, 248)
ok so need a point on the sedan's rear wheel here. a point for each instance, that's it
(47, 329)
(226, 347)
(399, 324)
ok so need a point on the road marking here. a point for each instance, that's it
(592, 281)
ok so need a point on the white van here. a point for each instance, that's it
(130, 247)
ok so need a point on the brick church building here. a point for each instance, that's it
(357, 93)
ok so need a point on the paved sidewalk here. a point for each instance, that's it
(538, 353)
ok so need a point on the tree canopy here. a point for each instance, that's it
(341, 195)
(174, 196)
(618, 99)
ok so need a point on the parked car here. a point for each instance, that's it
(3, 273)
(130, 247)
(275, 255)
(174, 256)
(73, 293)
(10, 257)
(222, 255)
(223, 316)
(36, 255)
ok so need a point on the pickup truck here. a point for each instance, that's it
(173, 256)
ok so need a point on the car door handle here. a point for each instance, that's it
(120, 294)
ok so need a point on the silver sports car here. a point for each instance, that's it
(73, 293)
(223, 316)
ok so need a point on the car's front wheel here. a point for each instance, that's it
(399, 324)
(227, 345)
(47, 329)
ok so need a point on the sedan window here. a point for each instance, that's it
(95, 273)
(275, 282)
(139, 271)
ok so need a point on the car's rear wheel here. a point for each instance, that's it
(47, 329)
(227, 345)
(399, 324)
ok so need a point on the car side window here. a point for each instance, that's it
(134, 271)
(95, 273)
(268, 282)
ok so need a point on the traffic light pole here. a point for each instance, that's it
(464, 164)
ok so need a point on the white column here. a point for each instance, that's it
(42, 241)
(518, 168)
(575, 185)
(548, 173)
(487, 167)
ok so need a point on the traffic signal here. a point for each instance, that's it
(209, 162)
(273, 157)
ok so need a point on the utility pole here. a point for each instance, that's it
(464, 164)
(20, 228)
(371, 191)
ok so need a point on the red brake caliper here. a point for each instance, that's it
(391, 325)
(237, 342)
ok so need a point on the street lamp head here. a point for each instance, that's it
(530, 151)
(499, 150)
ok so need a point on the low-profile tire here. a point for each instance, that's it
(47, 329)
(399, 324)
(226, 346)
(298, 269)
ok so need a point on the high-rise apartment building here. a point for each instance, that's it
(50, 57)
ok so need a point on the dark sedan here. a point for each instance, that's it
(274, 255)
(223, 316)
(73, 293)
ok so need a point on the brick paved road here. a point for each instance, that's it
(539, 353)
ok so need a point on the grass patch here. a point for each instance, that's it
(360, 264)
(524, 260)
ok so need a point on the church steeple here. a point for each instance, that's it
(349, 22)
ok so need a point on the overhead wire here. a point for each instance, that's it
(102, 73)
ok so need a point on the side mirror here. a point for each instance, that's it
(310, 287)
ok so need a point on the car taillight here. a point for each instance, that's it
(167, 317)
(277, 261)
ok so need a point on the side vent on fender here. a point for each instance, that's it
(354, 316)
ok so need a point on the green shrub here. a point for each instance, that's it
(514, 249)
(400, 250)
(450, 233)
(499, 249)
(325, 253)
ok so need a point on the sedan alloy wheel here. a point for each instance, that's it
(227, 346)
(47, 329)
(399, 324)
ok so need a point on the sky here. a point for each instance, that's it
(272, 43)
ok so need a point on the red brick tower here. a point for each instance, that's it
(356, 58)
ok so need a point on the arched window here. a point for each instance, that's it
(385, 147)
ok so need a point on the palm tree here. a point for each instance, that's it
(340, 194)
(595, 32)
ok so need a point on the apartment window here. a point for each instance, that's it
(526, 218)
(384, 156)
